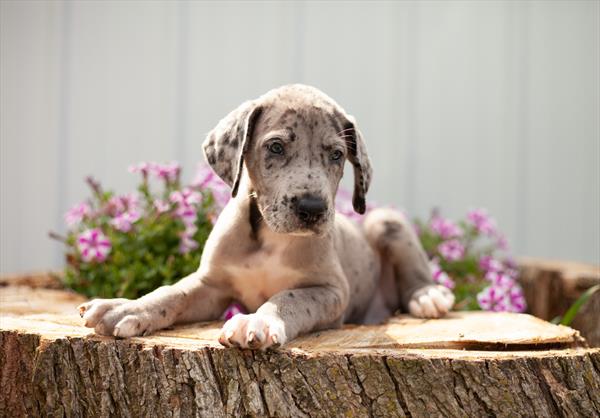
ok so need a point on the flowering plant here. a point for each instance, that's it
(128, 245)
(470, 258)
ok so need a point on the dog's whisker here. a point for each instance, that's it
(344, 130)
(344, 133)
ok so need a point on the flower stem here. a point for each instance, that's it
(57, 237)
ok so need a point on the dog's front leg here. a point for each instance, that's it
(190, 299)
(285, 316)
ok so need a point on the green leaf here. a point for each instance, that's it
(576, 306)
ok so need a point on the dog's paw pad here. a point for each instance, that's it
(256, 331)
(431, 302)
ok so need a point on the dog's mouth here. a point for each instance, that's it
(318, 229)
(286, 222)
(303, 233)
(297, 229)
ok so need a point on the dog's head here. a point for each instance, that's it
(293, 143)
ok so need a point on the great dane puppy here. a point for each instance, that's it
(279, 247)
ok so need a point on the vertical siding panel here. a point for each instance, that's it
(29, 67)
(518, 107)
(352, 52)
(491, 104)
(237, 51)
(122, 91)
(563, 194)
(182, 77)
(409, 99)
(464, 150)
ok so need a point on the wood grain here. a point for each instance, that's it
(470, 364)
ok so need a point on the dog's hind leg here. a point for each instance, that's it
(393, 236)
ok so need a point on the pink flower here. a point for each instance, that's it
(161, 206)
(511, 263)
(143, 168)
(493, 298)
(186, 201)
(131, 201)
(482, 221)
(77, 213)
(502, 297)
(187, 214)
(232, 310)
(120, 204)
(343, 205)
(440, 276)
(93, 245)
(451, 250)
(168, 172)
(500, 279)
(206, 179)
(186, 197)
(187, 242)
(116, 205)
(487, 263)
(445, 228)
(512, 273)
(124, 221)
(517, 299)
(502, 242)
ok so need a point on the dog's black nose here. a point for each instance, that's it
(310, 208)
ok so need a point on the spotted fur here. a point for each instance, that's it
(294, 276)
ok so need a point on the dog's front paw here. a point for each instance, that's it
(431, 301)
(117, 317)
(253, 331)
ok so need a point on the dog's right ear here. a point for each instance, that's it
(226, 145)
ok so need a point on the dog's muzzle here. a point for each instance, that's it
(310, 209)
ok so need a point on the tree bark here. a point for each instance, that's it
(473, 364)
(466, 365)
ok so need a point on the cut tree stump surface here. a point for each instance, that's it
(468, 364)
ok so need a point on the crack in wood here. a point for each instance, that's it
(104, 377)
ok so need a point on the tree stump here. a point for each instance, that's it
(468, 364)
(551, 287)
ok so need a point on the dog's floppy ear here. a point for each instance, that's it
(225, 146)
(357, 155)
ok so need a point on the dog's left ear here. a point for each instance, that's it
(226, 145)
(357, 155)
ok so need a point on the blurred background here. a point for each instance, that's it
(463, 104)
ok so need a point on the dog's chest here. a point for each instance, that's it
(262, 274)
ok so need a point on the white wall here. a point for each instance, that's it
(462, 103)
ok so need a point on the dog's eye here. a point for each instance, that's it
(336, 155)
(276, 148)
